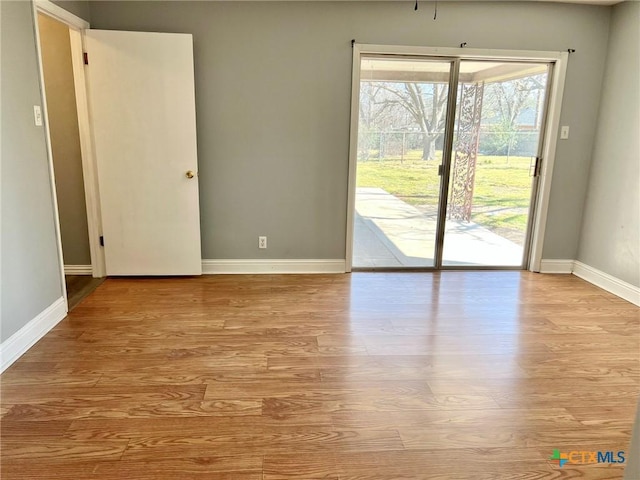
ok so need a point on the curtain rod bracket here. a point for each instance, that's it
(571, 50)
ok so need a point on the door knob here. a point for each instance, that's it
(190, 174)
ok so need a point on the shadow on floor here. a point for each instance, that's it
(79, 287)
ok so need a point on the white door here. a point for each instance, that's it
(142, 103)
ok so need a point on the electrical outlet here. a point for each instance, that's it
(262, 242)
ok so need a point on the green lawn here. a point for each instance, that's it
(501, 192)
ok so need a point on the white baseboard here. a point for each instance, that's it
(213, 267)
(78, 270)
(21, 341)
(556, 266)
(607, 282)
(594, 276)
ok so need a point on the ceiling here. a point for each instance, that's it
(584, 2)
(389, 69)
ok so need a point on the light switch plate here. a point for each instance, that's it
(37, 115)
(564, 132)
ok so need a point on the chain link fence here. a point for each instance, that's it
(394, 145)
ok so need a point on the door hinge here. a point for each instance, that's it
(85, 56)
(538, 167)
(440, 169)
(101, 241)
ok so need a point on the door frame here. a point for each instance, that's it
(549, 139)
(76, 27)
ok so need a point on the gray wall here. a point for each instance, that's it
(65, 140)
(632, 469)
(610, 238)
(30, 274)
(273, 85)
(79, 8)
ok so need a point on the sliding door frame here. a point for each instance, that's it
(447, 151)
(549, 136)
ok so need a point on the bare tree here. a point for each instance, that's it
(511, 97)
(505, 102)
(375, 113)
(426, 103)
(371, 106)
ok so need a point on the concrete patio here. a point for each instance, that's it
(391, 233)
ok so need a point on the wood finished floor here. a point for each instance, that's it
(79, 287)
(457, 375)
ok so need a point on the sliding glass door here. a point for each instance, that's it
(403, 113)
(498, 119)
(447, 182)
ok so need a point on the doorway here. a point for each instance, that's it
(63, 124)
(446, 163)
(136, 131)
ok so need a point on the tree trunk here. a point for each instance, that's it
(428, 147)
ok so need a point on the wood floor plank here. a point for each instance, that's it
(469, 464)
(216, 374)
(274, 440)
(61, 410)
(472, 418)
(78, 395)
(304, 404)
(18, 429)
(602, 415)
(475, 436)
(68, 469)
(61, 450)
(205, 468)
(319, 390)
(214, 467)
(310, 466)
(381, 376)
(54, 376)
(132, 428)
